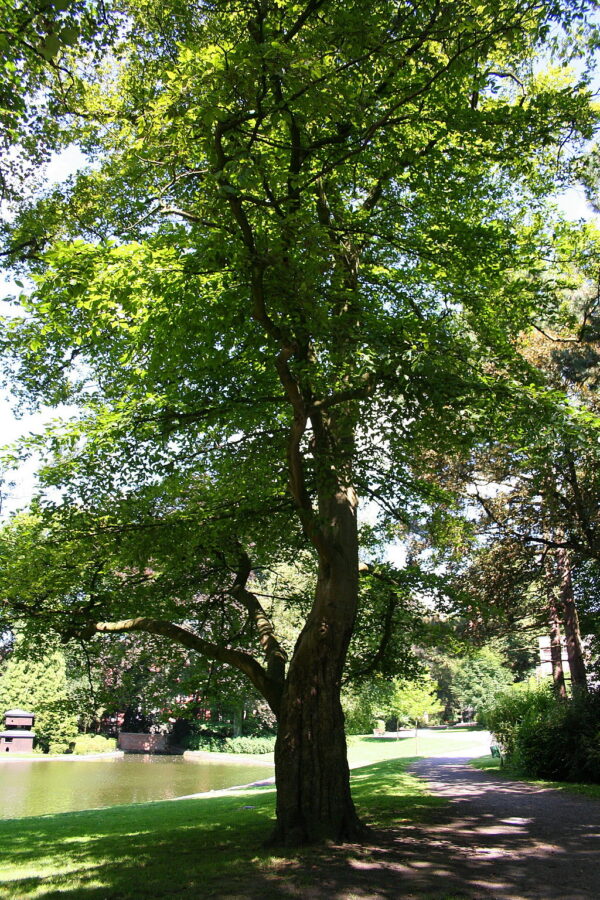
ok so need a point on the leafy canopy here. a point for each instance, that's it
(298, 261)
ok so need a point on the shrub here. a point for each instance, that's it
(562, 742)
(549, 738)
(93, 743)
(211, 743)
(358, 718)
(538, 749)
(255, 744)
(503, 717)
(250, 744)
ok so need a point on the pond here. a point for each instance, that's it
(40, 787)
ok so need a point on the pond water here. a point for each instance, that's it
(40, 787)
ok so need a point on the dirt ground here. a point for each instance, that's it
(495, 838)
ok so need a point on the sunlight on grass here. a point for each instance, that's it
(371, 749)
(146, 850)
(161, 849)
(487, 763)
(187, 847)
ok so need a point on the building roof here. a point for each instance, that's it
(22, 734)
(19, 712)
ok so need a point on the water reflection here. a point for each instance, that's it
(39, 787)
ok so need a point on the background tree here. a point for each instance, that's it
(479, 678)
(365, 703)
(415, 701)
(40, 686)
(292, 270)
(519, 518)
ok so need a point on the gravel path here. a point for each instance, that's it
(507, 839)
(496, 838)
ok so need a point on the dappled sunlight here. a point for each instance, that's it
(99, 852)
(476, 836)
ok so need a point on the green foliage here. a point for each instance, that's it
(390, 619)
(402, 699)
(250, 744)
(253, 744)
(549, 738)
(364, 703)
(86, 744)
(478, 678)
(415, 701)
(39, 41)
(562, 742)
(298, 268)
(505, 712)
(40, 686)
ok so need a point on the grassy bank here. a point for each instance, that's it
(366, 749)
(492, 764)
(206, 847)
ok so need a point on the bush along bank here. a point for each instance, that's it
(545, 737)
(217, 744)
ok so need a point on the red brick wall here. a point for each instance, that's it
(142, 743)
(19, 722)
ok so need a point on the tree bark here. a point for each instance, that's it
(238, 720)
(558, 675)
(312, 775)
(571, 623)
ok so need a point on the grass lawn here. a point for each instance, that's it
(428, 743)
(492, 764)
(208, 847)
(204, 847)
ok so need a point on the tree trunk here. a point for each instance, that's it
(558, 675)
(571, 623)
(313, 780)
(238, 720)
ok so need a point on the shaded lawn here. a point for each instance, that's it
(209, 847)
(492, 764)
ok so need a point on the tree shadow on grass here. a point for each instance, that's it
(422, 847)
(199, 848)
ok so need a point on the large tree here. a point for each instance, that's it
(293, 265)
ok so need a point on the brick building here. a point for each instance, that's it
(17, 736)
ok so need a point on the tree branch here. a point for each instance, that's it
(239, 659)
(528, 538)
(275, 655)
(310, 8)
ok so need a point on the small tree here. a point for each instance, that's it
(414, 701)
(40, 686)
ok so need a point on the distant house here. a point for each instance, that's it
(17, 736)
